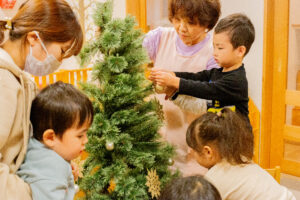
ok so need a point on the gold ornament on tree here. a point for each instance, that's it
(170, 161)
(109, 145)
(158, 88)
(153, 183)
(112, 186)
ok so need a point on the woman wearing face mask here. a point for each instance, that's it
(36, 40)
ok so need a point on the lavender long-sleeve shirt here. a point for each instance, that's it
(152, 40)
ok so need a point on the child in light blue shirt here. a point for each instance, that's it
(60, 116)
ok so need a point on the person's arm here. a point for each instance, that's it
(58, 185)
(48, 175)
(8, 106)
(49, 189)
(200, 76)
(151, 42)
(11, 186)
(225, 89)
(170, 79)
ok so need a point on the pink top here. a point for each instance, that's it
(167, 51)
(152, 41)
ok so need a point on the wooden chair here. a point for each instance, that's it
(67, 76)
(254, 117)
(275, 172)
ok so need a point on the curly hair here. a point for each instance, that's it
(204, 12)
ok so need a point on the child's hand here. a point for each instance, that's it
(165, 78)
(75, 171)
(153, 71)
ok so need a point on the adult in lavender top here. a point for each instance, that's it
(186, 47)
(152, 42)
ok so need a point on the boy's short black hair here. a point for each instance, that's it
(190, 188)
(59, 106)
(240, 28)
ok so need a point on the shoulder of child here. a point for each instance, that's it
(43, 161)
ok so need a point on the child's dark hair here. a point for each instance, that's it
(204, 12)
(228, 131)
(240, 28)
(190, 188)
(59, 106)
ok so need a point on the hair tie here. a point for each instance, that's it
(8, 24)
(219, 114)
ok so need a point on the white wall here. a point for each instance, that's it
(254, 9)
(294, 45)
(119, 8)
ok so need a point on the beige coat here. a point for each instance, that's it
(17, 91)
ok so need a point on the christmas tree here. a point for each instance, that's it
(126, 157)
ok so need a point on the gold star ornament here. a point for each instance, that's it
(153, 183)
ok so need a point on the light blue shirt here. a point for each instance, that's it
(49, 175)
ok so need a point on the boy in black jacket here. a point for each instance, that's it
(226, 86)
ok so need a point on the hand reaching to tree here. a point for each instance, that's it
(164, 78)
(75, 171)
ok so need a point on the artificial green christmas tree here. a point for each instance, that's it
(127, 159)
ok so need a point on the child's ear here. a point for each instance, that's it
(208, 152)
(49, 138)
(241, 50)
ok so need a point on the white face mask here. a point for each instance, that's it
(41, 68)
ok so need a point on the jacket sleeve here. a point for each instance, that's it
(200, 76)
(8, 105)
(223, 89)
(49, 190)
(11, 186)
(48, 174)
(151, 42)
(57, 182)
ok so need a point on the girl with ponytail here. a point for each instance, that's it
(223, 143)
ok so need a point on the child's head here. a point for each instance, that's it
(224, 135)
(190, 188)
(60, 116)
(233, 37)
(193, 18)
